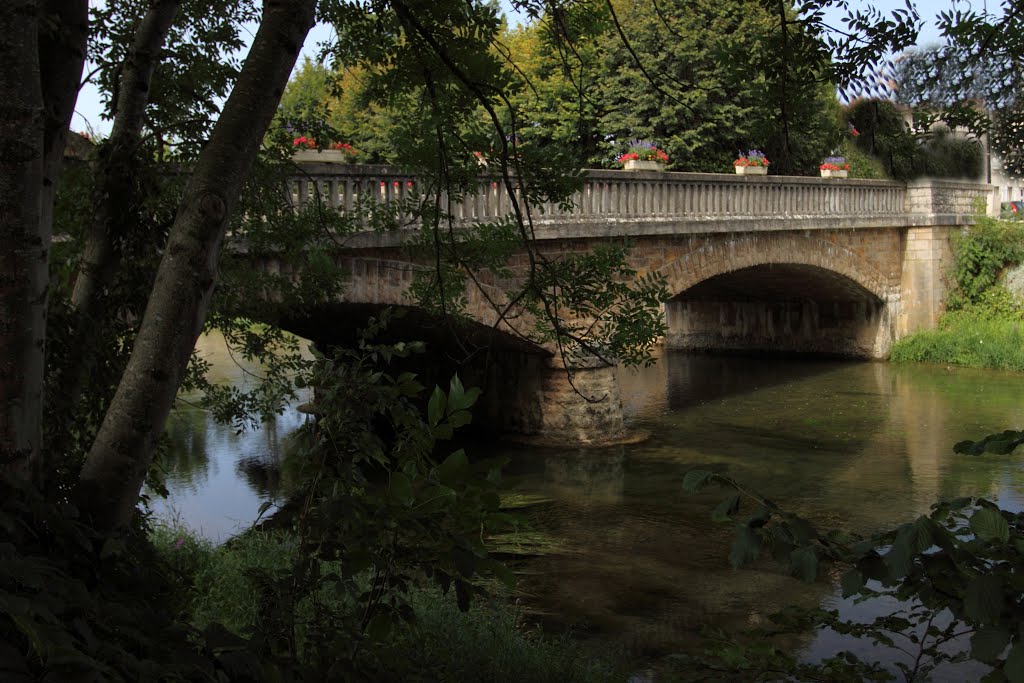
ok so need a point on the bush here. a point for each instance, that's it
(863, 165)
(980, 255)
(967, 338)
(944, 156)
(885, 136)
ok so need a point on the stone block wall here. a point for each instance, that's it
(924, 278)
(946, 197)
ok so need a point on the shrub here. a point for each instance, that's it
(441, 643)
(980, 255)
(863, 165)
(968, 339)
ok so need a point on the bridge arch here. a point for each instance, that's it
(531, 393)
(716, 257)
(791, 292)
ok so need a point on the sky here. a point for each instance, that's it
(88, 109)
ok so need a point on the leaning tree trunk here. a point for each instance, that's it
(23, 246)
(116, 465)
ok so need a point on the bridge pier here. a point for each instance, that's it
(581, 405)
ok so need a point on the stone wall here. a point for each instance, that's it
(850, 329)
(955, 198)
(924, 278)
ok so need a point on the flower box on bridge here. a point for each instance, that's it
(643, 165)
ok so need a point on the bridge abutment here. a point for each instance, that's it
(924, 280)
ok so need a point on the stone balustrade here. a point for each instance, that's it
(616, 197)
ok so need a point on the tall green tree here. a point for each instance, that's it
(703, 79)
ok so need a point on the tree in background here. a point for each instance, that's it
(972, 81)
(704, 79)
(885, 134)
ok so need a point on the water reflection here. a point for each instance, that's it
(863, 446)
(217, 476)
(586, 476)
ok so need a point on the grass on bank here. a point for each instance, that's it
(967, 338)
(486, 643)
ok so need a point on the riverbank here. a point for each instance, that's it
(985, 305)
(228, 585)
(967, 338)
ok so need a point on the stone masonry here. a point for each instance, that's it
(775, 263)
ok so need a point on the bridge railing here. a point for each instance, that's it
(621, 195)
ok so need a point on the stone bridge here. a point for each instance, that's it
(771, 263)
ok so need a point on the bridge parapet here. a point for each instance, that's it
(938, 196)
(619, 195)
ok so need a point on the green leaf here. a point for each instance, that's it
(456, 393)
(745, 548)
(727, 507)
(1014, 665)
(760, 517)
(911, 539)
(801, 529)
(464, 561)
(454, 468)
(695, 480)
(460, 418)
(984, 600)
(852, 582)
(988, 643)
(436, 406)
(803, 563)
(460, 398)
(989, 525)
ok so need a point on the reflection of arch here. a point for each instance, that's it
(748, 251)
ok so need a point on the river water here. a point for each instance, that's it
(628, 555)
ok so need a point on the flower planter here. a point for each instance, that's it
(643, 165)
(828, 173)
(751, 170)
(322, 156)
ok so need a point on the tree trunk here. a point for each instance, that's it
(114, 202)
(113, 190)
(116, 466)
(23, 247)
(62, 46)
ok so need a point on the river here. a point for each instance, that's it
(863, 446)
